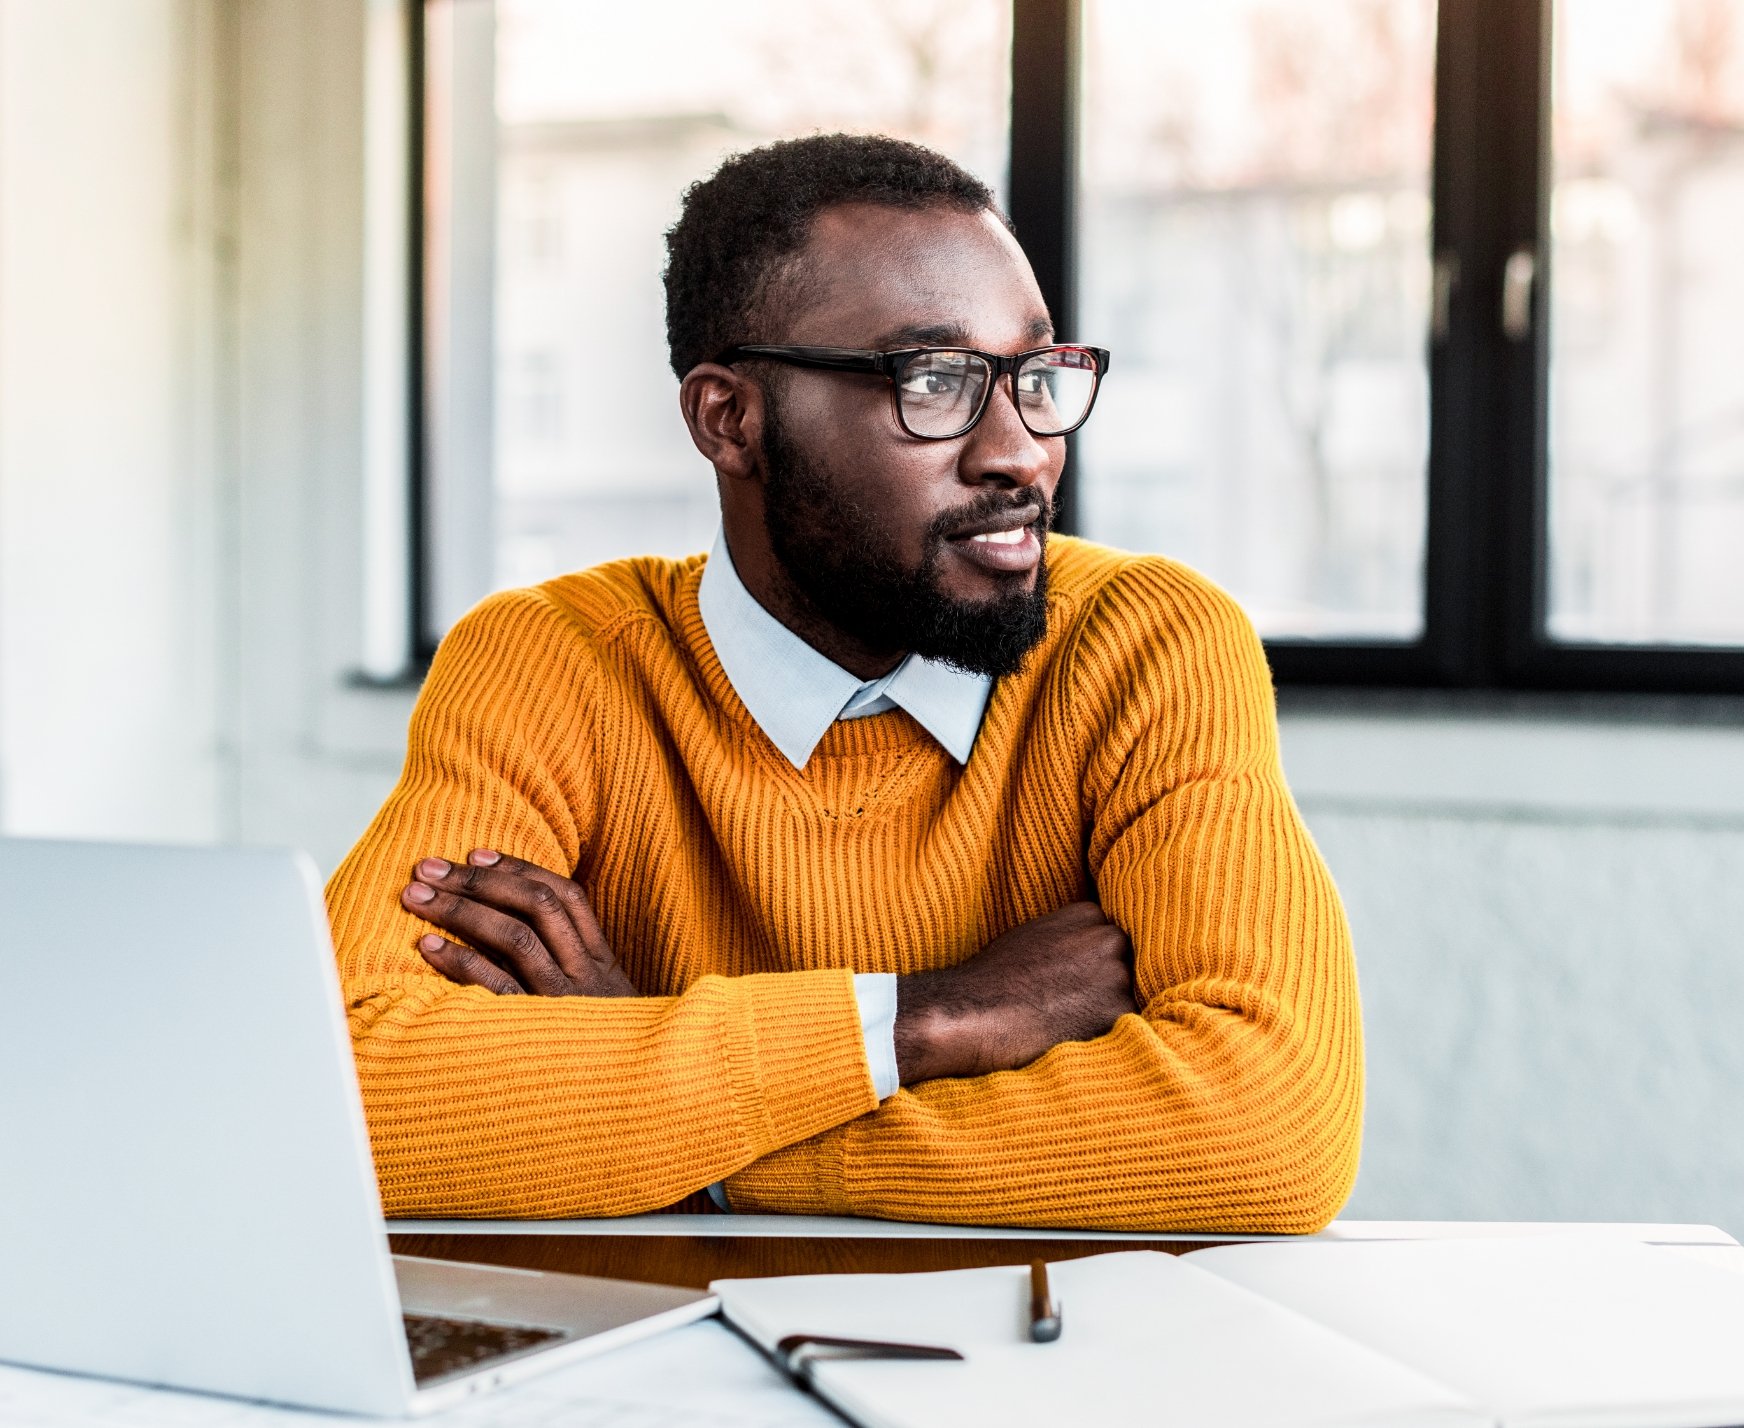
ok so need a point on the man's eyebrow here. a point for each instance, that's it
(926, 334)
(953, 334)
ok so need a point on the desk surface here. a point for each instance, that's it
(692, 1250)
(811, 1227)
(702, 1376)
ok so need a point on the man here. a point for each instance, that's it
(896, 859)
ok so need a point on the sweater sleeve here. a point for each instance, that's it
(528, 1106)
(1233, 1101)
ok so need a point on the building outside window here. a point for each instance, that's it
(604, 117)
(1257, 242)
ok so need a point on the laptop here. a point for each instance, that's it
(186, 1192)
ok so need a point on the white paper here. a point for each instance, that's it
(1547, 1332)
(1146, 1339)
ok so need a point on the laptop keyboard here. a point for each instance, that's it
(443, 1346)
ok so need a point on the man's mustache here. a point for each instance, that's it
(994, 503)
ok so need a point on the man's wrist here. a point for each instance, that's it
(925, 1029)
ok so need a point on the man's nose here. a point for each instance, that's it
(1001, 447)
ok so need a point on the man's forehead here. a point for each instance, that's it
(879, 276)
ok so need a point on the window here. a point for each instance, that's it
(1646, 388)
(601, 116)
(1422, 314)
(1254, 215)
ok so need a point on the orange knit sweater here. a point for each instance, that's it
(586, 725)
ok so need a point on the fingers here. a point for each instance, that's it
(538, 902)
(568, 891)
(536, 924)
(498, 934)
(469, 968)
(1114, 950)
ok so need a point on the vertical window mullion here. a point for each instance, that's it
(1522, 198)
(1458, 450)
(1486, 386)
(1042, 177)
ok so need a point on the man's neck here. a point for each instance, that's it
(787, 603)
(771, 587)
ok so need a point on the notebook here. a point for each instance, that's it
(1563, 1332)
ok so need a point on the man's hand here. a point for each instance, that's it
(1063, 977)
(527, 929)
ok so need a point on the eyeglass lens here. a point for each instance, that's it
(942, 392)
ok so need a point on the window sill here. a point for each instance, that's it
(1630, 757)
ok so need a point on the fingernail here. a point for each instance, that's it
(484, 857)
(417, 892)
(435, 868)
(430, 942)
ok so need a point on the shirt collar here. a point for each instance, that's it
(795, 694)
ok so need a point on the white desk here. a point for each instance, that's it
(703, 1376)
(694, 1250)
(828, 1227)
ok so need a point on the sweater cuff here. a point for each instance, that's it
(875, 996)
(803, 1179)
(795, 1059)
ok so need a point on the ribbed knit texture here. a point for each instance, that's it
(586, 725)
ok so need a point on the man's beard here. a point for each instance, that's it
(838, 557)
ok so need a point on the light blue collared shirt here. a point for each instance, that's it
(795, 694)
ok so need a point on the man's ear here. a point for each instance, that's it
(724, 411)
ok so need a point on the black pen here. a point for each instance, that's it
(1044, 1314)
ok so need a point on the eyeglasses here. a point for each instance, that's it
(941, 392)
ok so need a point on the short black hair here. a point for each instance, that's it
(741, 227)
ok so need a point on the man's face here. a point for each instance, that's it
(902, 543)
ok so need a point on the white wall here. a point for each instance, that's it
(110, 613)
(1547, 906)
(1552, 1016)
(316, 756)
(1549, 921)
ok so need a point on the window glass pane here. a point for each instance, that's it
(605, 114)
(1646, 308)
(1255, 252)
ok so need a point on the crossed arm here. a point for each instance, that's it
(1196, 1113)
(1063, 977)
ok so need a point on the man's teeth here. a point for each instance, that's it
(1011, 537)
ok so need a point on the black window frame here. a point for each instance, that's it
(1486, 556)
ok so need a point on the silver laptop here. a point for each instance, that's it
(186, 1192)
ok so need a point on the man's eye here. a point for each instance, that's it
(1032, 384)
(926, 383)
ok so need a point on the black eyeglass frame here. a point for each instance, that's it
(891, 364)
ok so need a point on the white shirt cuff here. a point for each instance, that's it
(876, 994)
